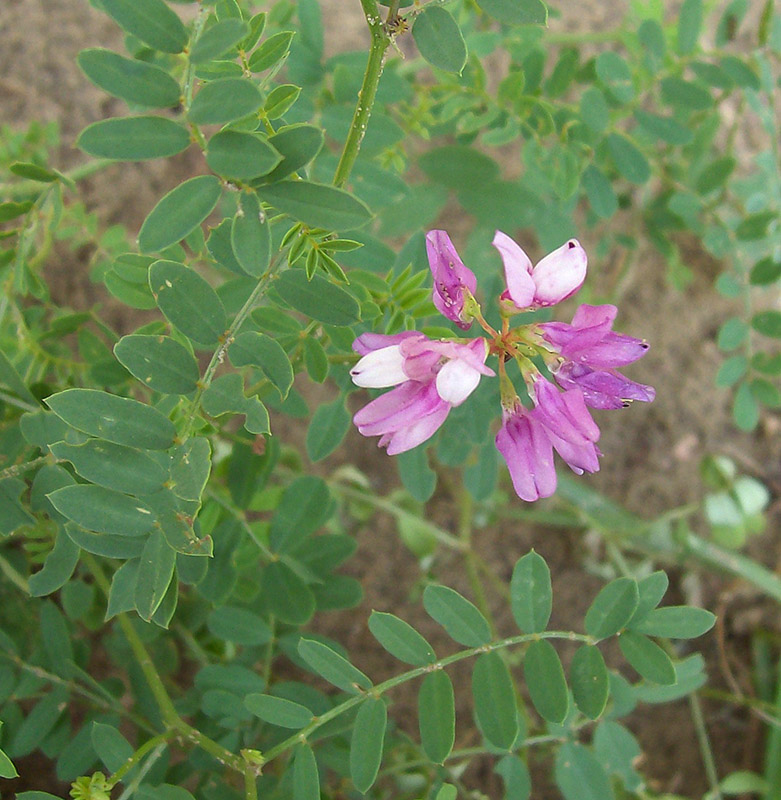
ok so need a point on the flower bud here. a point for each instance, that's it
(453, 282)
(560, 274)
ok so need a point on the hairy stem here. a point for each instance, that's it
(147, 746)
(18, 469)
(367, 94)
(176, 725)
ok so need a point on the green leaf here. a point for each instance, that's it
(233, 624)
(137, 82)
(516, 12)
(437, 716)
(689, 24)
(616, 76)
(226, 395)
(612, 608)
(647, 658)
(317, 298)
(122, 595)
(745, 410)
(516, 778)
(330, 665)
(690, 676)
(278, 711)
(38, 723)
(251, 236)
(155, 571)
(10, 210)
(715, 174)
(179, 212)
(57, 568)
(280, 100)
(134, 138)
(306, 779)
(494, 700)
(731, 371)
(545, 680)
(665, 128)
(110, 745)
(439, 39)
(458, 166)
(188, 302)
(259, 350)
(651, 590)
(159, 362)
(328, 427)
(7, 769)
(676, 622)
(114, 466)
(218, 39)
(599, 191)
(117, 419)
(152, 21)
(298, 145)
(366, 743)
(686, 95)
(629, 161)
(103, 510)
(768, 323)
(286, 596)
(460, 618)
(580, 776)
(732, 333)
(304, 507)
(316, 204)
(590, 680)
(765, 272)
(271, 52)
(225, 100)
(531, 594)
(315, 360)
(400, 639)
(105, 544)
(241, 155)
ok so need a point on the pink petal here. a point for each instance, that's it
(517, 270)
(560, 274)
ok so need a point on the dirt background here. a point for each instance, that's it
(652, 452)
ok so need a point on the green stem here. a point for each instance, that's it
(250, 783)
(367, 94)
(443, 537)
(150, 744)
(219, 354)
(398, 680)
(706, 750)
(168, 712)
(18, 469)
(14, 575)
(465, 510)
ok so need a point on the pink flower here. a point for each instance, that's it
(555, 278)
(527, 438)
(453, 282)
(591, 351)
(430, 377)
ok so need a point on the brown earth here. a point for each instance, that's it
(651, 452)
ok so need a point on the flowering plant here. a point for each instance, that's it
(431, 377)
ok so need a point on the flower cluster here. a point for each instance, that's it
(431, 377)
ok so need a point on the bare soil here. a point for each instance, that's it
(651, 452)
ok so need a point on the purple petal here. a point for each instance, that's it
(450, 277)
(564, 413)
(416, 433)
(604, 389)
(528, 452)
(380, 414)
(588, 316)
(560, 274)
(517, 270)
(368, 342)
(579, 458)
